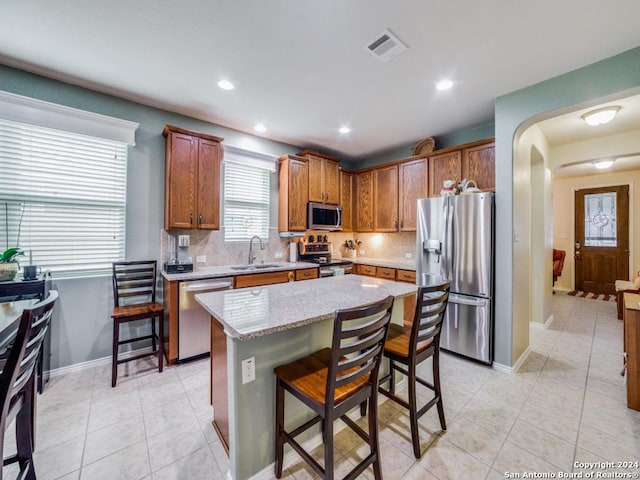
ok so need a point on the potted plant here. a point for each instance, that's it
(9, 264)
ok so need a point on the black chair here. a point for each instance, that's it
(334, 380)
(17, 383)
(411, 345)
(134, 298)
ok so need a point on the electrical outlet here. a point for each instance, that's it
(201, 259)
(408, 256)
(361, 252)
(248, 370)
(278, 254)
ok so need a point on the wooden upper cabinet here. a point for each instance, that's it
(413, 186)
(346, 199)
(447, 166)
(479, 165)
(324, 177)
(364, 201)
(385, 188)
(293, 193)
(192, 179)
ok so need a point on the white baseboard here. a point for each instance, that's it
(78, 367)
(516, 366)
(544, 325)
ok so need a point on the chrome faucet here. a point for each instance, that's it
(252, 256)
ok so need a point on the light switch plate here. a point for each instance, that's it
(408, 255)
(278, 255)
(201, 259)
(248, 370)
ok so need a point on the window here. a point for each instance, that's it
(62, 193)
(246, 191)
(600, 220)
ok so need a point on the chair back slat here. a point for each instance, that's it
(134, 282)
(23, 353)
(429, 315)
(358, 344)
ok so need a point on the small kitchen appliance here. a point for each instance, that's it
(179, 262)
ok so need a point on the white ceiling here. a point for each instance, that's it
(300, 67)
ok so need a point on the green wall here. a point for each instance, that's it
(82, 328)
(614, 77)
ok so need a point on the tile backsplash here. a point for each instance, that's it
(211, 244)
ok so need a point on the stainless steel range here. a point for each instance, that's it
(320, 253)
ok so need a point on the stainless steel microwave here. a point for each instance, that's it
(322, 216)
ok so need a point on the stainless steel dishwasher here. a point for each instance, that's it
(194, 322)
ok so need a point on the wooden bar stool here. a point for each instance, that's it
(17, 383)
(134, 298)
(334, 380)
(409, 346)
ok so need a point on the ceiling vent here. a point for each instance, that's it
(385, 46)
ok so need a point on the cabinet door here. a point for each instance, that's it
(331, 182)
(412, 185)
(298, 195)
(208, 190)
(346, 200)
(364, 202)
(180, 181)
(385, 188)
(447, 166)
(478, 164)
(316, 178)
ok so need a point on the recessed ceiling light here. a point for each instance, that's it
(258, 127)
(600, 116)
(344, 129)
(602, 164)
(226, 85)
(444, 84)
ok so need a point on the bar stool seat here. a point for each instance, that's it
(333, 381)
(399, 341)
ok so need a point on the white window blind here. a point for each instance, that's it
(246, 202)
(62, 198)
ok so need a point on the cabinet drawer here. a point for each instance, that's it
(306, 274)
(406, 276)
(268, 278)
(384, 272)
(367, 270)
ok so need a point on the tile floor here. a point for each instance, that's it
(566, 404)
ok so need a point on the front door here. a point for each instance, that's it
(602, 238)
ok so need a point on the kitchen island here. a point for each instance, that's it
(274, 324)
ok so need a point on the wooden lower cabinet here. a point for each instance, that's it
(219, 382)
(366, 270)
(270, 278)
(408, 276)
(384, 272)
(170, 301)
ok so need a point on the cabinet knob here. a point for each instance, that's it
(291, 223)
(200, 219)
(326, 196)
(395, 224)
(191, 219)
(401, 223)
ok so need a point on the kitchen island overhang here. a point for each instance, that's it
(274, 324)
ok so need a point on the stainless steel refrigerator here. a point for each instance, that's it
(454, 241)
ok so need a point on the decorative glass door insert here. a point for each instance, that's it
(600, 220)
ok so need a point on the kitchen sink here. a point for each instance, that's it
(254, 267)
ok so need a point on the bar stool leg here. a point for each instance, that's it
(413, 413)
(24, 433)
(392, 378)
(328, 447)
(114, 355)
(373, 437)
(153, 333)
(279, 454)
(436, 387)
(160, 341)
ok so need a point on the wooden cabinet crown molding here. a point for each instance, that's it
(306, 152)
(171, 128)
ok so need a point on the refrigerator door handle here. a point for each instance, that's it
(475, 302)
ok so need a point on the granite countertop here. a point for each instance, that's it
(402, 264)
(252, 312)
(228, 270)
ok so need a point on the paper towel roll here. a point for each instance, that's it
(293, 252)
